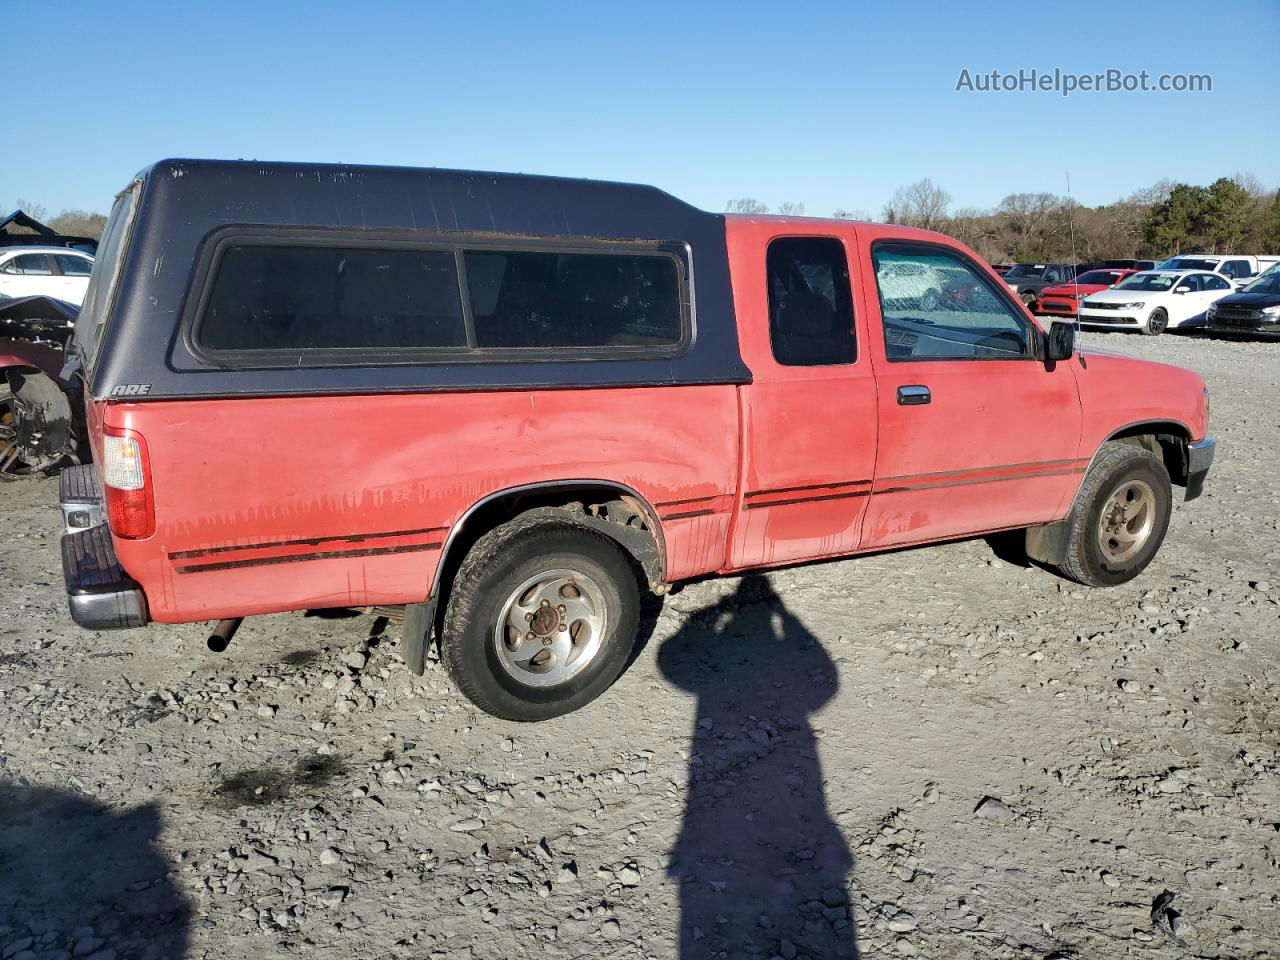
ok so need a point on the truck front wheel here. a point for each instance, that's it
(541, 619)
(1120, 516)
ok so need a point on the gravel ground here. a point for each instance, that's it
(934, 752)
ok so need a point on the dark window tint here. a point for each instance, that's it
(323, 298)
(936, 306)
(573, 300)
(810, 306)
(1098, 276)
(32, 264)
(1215, 283)
(73, 266)
(1237, 268)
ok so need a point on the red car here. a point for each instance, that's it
(512, 403)
(1063, 299)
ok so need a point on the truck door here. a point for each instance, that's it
(808, 417)
(976, 433)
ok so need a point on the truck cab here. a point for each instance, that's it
(554, 394)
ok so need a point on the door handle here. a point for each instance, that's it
(913, 394)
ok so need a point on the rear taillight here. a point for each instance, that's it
(126, 484)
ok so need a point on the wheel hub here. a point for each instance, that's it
(551, 627)
(1126, 521)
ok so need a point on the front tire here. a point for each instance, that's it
(1120, 517)
(1157, 323)
(541, 619)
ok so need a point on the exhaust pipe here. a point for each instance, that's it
(222, 634)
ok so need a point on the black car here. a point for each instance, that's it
(1028, 279)
(1254, 310)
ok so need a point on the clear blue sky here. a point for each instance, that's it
(830, 104)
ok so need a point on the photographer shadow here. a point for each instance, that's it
(78, 877)
(762, 867)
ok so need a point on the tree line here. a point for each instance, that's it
(1231, 215)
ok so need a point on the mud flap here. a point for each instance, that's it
(419, 619)
(43, 414)
(1048, 543)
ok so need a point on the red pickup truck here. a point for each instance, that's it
(511, 403)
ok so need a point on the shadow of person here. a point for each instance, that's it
(77, 877)
(763, 869)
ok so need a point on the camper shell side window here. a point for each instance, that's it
(288, 298)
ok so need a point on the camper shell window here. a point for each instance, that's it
(310, 299)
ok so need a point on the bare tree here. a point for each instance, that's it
(843, 214)
(1028, 221)
(78, 223)
(746, 205)
(790, 208)
(921, 204)
(1251, 185)
(35, 210)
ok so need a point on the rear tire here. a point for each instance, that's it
(1120, 517)
(541, 619)
(1157, 323)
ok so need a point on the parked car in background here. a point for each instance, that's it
(57, 272)
(1239, 269)
(1255, 309)
(1063, 299)
(533, 434)
(1026, 280)
(1121, 264)
(1155, 300)
(1001, 268)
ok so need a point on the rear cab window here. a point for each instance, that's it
(810, 303)
(325, 301)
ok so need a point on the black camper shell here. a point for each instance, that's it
(138, 333)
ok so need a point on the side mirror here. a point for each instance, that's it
(1061, 341)
(1183, 289)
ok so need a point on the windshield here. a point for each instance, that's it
(1105, 277)
(102, 281)
(1025, 270)
(1189, 263)
(1148, 281)
(1269, 282)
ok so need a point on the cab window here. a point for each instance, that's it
(810, 305)
(935, 305)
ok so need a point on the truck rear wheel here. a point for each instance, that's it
(541, 619)
(1120, 516)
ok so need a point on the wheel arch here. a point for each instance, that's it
(633, 523)
(1167, 439)
(628, 519)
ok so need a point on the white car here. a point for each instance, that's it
(1154, 300)
(57, 272)
(1238, 268)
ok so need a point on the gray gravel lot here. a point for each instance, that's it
(933, 752)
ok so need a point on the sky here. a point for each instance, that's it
(833, 105)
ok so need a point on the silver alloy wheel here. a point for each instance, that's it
(1126, 521)
(551, 627)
